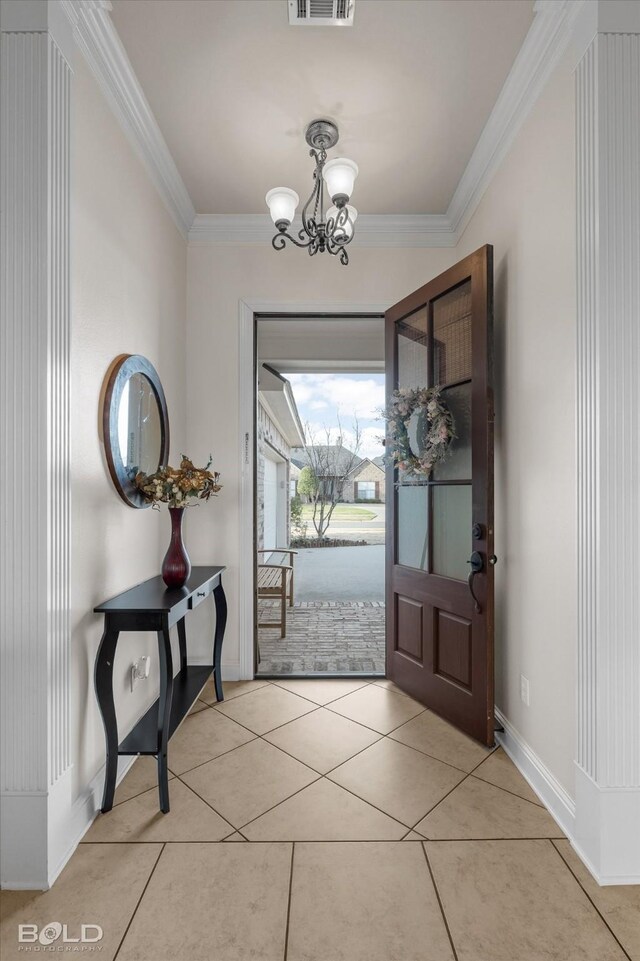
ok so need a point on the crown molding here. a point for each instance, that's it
(547, 39)
(104, 52)
(544, 44)
(374, 230)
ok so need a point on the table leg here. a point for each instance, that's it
(164, 715)
(221, 622)
(103, 680)
(182, 640)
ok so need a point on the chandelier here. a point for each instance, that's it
(329, 230)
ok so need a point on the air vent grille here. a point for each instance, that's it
(321, 13)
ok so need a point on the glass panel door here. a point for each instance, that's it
(433, 514)
(412, 503)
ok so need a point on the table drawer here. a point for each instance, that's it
(200, 595)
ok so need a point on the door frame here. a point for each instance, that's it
(247, 377)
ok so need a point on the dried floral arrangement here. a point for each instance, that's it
(436, 437)
(177, 486)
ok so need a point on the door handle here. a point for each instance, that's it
(477, 566)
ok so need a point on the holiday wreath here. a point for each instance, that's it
(435, 427)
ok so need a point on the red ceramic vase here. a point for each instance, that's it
(176, 565)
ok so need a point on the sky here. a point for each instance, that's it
(322, 398)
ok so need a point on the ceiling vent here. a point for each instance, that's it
(321, 13)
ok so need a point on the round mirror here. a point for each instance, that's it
(135, 424)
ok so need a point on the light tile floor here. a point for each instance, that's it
(325, 778)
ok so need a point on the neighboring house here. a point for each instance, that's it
(365, 480)
(368, 481)
(279, 430)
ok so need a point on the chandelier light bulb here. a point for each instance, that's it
(282, 203)
(344, 232)
(340, 175)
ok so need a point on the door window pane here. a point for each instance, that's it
(452, 335)
(413, 350)
(451, 530)
(457, 466)
(413, 525)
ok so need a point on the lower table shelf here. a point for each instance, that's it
(187, 684)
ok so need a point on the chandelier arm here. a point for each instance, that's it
(309, 224)
(338, 250)
(279, 241)
(320, 199)
(311, 232)
(336, 224)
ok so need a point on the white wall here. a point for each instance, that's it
(528, 215)
(129, 296)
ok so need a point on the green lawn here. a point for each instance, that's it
(343, 512)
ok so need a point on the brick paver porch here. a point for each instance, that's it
(325, 637)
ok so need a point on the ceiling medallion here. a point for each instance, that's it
(321, 231)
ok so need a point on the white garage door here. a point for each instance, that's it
(270, 503)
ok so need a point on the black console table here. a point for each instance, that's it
(151, 607)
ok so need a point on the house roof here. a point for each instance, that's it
(276, 396)
(367, 462)
(336, 455)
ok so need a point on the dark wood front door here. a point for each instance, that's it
(439, 620)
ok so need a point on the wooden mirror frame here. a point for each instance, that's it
(119, 374)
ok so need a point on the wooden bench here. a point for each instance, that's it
(276, 580)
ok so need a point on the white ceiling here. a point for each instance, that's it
(233, 87)
(323, 344)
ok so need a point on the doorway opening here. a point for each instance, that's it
(319, 508)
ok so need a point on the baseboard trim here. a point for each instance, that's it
(606, 835)
(232, 672)
(83, 813)
(554, 797)
(230, 669)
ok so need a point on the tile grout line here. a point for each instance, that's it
(323, 777)
(507, 791)
(368, 726)
(286, 932)
(256, 737)
(316, 707)
(335, 840)
(278, 803)
(135, 910)
(226, 821)
(428, 710)
(589, 898)
(315, 770)
(320, 680)
(431, 809)
(454, 788)
(266, 684)
(435, 888)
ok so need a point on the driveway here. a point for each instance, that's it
(340, 574)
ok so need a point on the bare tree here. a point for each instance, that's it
(331, 463)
